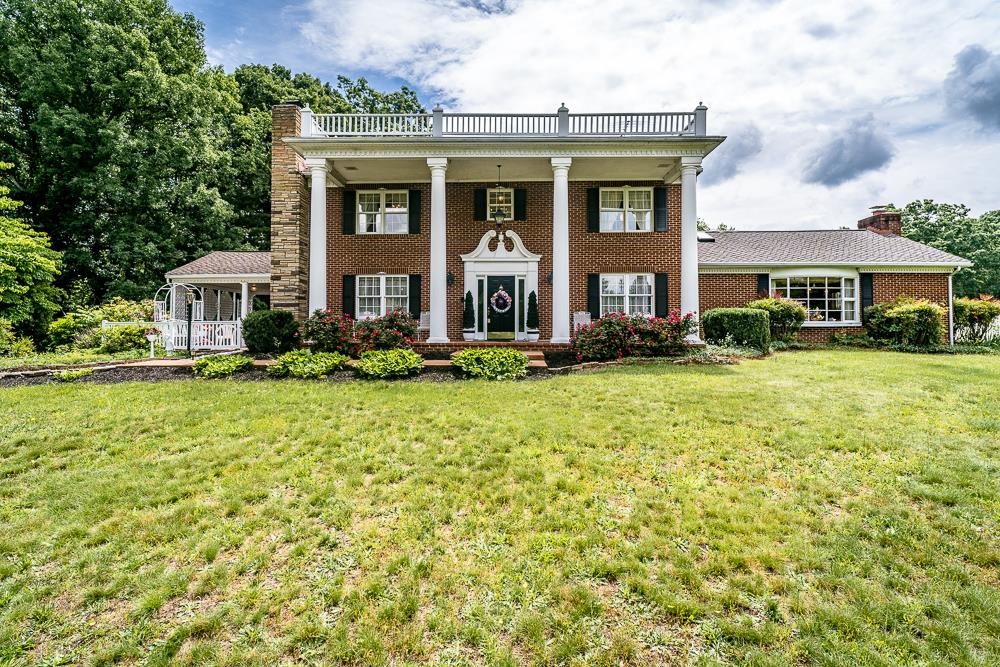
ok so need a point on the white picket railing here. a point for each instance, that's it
(560, 124)
(206, 335)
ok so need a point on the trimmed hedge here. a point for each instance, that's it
(785, 316)
(748, 327)
(270, 331)
(123, 339)
(221, 366)
(384, 364)
(306, 364)
(906, 321)
(492, 363)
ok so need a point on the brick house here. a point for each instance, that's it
(591, 213)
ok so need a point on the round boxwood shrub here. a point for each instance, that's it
(384, 364)
(748, 327)
(784, 315)
(270, 331)
(306, 364)
(492, 363)
(906, 321)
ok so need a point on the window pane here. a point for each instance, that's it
(611, 284)
(612, 221)
(397, 219)
(640, 199)
(396, 285)
(639, 220)
(640, 305)
(369, 205)
(368, 286)
(798, 282)
(848, 287)
(640, 285)
(613, 199)
(850, 312)
(612, 304)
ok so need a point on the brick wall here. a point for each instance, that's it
(589, 252)
(732, 290)
(289, 216)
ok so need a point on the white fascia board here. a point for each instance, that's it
(221, 278)
(881, 267)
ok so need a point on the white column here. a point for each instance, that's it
(560, 249)
(244, 299)
(317, 235)
(689, 239)
(439, 253)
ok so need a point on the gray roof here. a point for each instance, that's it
(825, 247)
(225, 263)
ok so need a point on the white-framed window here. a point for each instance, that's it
(378, 295)
(826, 298)
(629, 293)
(500, 199)
(384, 212)
(626, 209)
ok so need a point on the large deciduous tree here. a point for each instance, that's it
(949, 227)
(27, 268)
(117, 127)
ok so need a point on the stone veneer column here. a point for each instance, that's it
(317, 234)
(439, 253)
(689, 238)
(289, 215)
(560, 249)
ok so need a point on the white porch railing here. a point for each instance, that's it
(205, 335)
(560, 124)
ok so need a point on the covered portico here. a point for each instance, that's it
(466, 148)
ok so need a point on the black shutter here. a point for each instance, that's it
(479, 204)
(867, 293)
(520, 204)
(415, 296)
(660, 295)
(350, 211)
(414, 204)
(593, 209)
(659, 209)
(594, 295)
(349, 282)
(763, 284)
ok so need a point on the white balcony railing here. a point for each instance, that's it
(560, 124)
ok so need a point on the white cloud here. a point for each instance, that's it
(797, 71)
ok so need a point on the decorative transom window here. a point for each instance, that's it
(626, 209)
(826, 299)
(383, 212)
(378, 295)
(630, 293)
(500, 199)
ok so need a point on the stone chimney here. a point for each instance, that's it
(289, 214)
(882, 221)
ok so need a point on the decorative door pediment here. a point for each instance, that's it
(500, 253)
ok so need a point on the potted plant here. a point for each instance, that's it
(469, 318)
(531, 319)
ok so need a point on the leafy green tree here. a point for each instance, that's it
(949, 227)
(117, 126)
(247, 186)
(27, 268)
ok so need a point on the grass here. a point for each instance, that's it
(833, 508)
(68, 358)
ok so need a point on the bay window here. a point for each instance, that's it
(826, 298)
(626, 209)
(629, 293)
(378, 295)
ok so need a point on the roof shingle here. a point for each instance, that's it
(225, 263)
(828, 246)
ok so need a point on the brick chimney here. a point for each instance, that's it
(882, 221)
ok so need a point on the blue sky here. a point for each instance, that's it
(829, 107)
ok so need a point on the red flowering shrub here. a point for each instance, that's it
(392, 331)
(617, 335)
(330, 332)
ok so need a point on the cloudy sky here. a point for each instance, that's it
(829, 108)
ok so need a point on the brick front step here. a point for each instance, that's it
(523, 346)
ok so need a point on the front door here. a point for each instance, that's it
(500, 307)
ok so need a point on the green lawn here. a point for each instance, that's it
(834, 507)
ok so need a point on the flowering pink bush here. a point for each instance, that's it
(392, 331)
(330, 332)
(617, 335)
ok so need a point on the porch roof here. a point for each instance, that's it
(227, 266)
